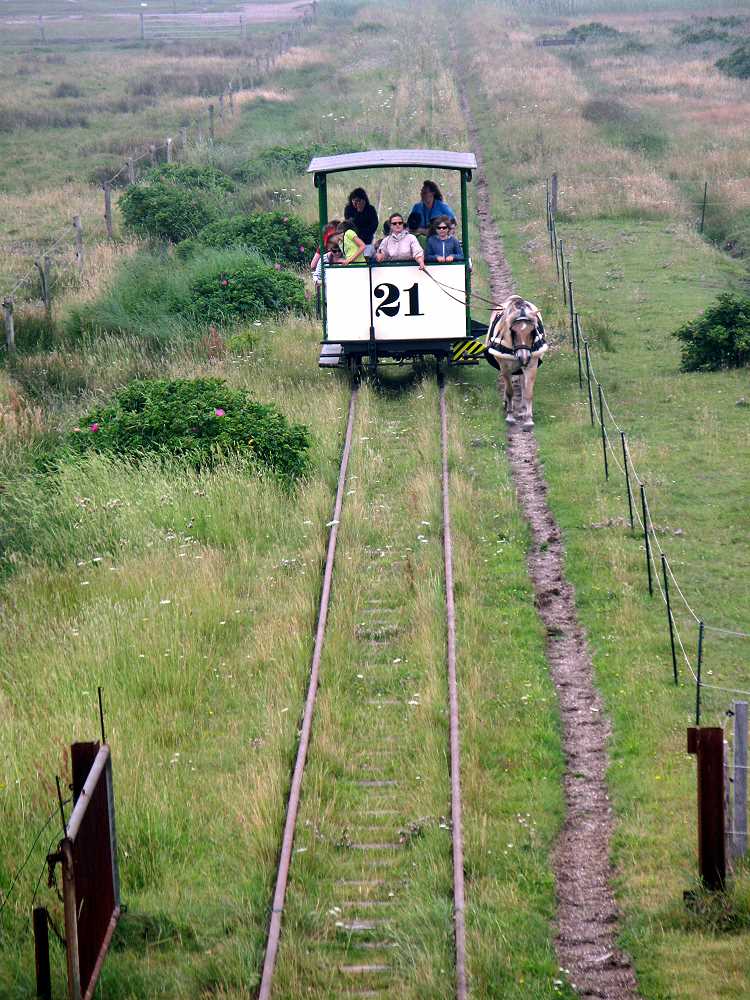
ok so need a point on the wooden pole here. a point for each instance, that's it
(183, 137)
(40, 22)
(142, 26)
(43, 284)
(107, 188)
(169, 149)
(10, 332)
(221, 107)
(703, 210)
(211, 122)
(48, 281)
(41, 953)
(131, 170)
(242, 26)
(231, 99)
(708, 744)
(553, 195)
(79, 241)
(739, 840)
(152, 152)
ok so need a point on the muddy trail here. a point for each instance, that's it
(587, 917)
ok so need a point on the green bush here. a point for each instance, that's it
(157, 297)
(191, 177)
(737, 63)
(720, 338)
(285, 160)
(592, 31)
(245, 290)
(281, 237)
(202, 420)
(163, 211)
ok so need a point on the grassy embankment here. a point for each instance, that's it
(640, 270)
(191, 600)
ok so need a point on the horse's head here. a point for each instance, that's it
(520, 320)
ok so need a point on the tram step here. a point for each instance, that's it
(331, 356)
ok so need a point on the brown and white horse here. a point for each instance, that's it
(515, 345)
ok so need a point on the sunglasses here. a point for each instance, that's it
(395, 222)
(441, 227)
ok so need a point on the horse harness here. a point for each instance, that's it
(496, 345)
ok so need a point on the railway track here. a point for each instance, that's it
(369, 894)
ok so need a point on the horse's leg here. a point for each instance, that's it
(529, 378)
(508, 395)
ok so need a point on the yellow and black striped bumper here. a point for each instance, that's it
(467, 352)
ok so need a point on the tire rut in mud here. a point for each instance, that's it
(587, 917)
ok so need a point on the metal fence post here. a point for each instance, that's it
(627, 479)
(698, 672)
(604, 433)
(708, 744)
(588, 380)
(578, 349)
(562, 272)
(669, 616)
(647, 543)
(739, 840)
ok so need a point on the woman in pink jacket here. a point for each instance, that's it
(400, 244)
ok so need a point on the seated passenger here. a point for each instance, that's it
(400, 245)
(359, 211)
(353, 246)
(431, 205)
(328, 232)
(442, 248)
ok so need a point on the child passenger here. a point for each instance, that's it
(442, 248)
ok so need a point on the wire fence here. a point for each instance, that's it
(202, 130)
(687, 652)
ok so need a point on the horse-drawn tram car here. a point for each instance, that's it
(396, 309)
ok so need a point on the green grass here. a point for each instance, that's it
(636, 280)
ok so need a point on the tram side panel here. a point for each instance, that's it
(402, 302)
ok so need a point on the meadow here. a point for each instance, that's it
(191, 596)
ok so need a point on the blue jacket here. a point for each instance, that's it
(437, 247)
(425, 214)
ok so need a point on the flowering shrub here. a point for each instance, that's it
(720, 338)
(202, 420)
(281, 237)
(248, 290)
(164, 211)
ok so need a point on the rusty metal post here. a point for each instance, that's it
(708, 744)
(71, 921)
(41, 953)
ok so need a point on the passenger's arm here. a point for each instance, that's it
(360, 250)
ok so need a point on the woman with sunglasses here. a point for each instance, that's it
(400, 244)
(442, 248)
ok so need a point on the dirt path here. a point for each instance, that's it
(587, 918)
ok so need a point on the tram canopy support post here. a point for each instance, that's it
(320, 184)
(465, 178)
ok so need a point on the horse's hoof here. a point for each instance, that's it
(509, 418)
(527, 425)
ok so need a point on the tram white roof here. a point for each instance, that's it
(440, 158)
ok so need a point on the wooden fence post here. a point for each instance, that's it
(708, 744)
(131, 170)
(47, 262)
(221, 107)
(10, 332)
(169, 149)
(42, 269)
(142, 26)
(211, 122)
(183, 137)
(553, 195)
(739, 841)
(152, 153)
(231, 100)
(242, 26)
(40, 22)
(107, 187)
(79, 241)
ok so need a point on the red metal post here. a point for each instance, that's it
(708, 744)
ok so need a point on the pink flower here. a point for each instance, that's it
(224, 282)
(94, 428)
(301, 249)
(277, 266)
(219, 412)
(285, 219)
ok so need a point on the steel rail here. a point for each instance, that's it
(287, 843)
(455, 744)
